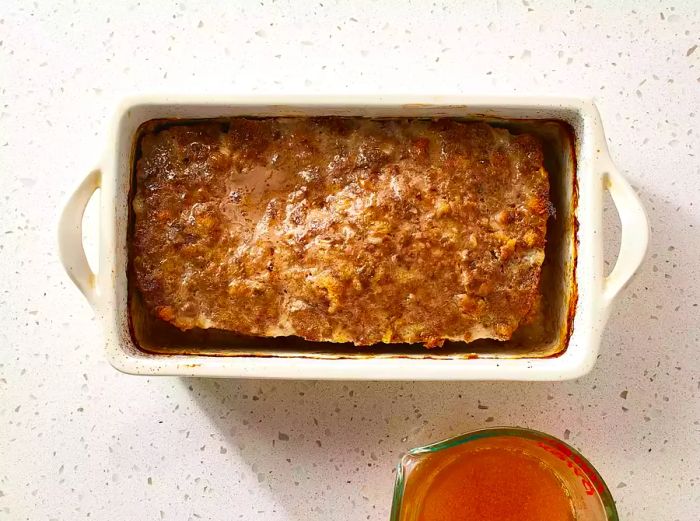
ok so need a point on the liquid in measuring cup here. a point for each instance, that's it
(500, 475)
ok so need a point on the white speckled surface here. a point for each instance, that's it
(79, 440)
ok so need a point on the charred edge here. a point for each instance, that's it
(130, 285)
(573, 298)
(223, 353)
(573, 288)
(160, 124)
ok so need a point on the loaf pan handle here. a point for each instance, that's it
(70, 237)
(634, 237)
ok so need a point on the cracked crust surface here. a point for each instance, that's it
(341, 229)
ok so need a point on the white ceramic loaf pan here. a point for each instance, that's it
(581, 170)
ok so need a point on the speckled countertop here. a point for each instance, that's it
(80, 440)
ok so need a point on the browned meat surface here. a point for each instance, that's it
(341, 229)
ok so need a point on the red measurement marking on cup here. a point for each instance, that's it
(578, 466)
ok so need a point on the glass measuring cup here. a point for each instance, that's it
(588, 495)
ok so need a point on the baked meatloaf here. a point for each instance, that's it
(340, 229)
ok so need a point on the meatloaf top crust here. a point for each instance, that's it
(341, 229)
